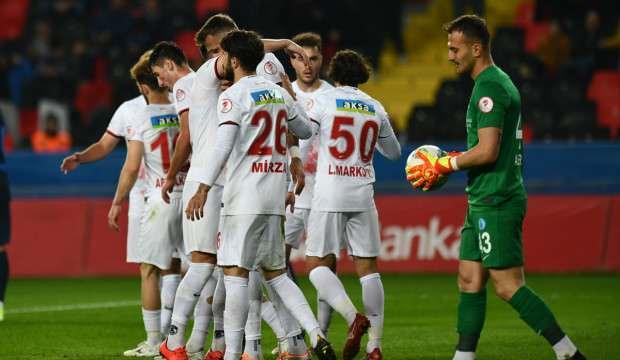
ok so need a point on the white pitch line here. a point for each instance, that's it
(70, 307)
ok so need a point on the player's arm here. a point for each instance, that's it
(94, 152)
(492, 102)
(287, 45)
(226, 136)
(126, 180)
(182, 150)
(387, 143)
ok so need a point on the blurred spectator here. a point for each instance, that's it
(51, 139)
(586, 44)
(554, 49)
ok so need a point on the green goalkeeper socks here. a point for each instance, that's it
(536, 314)
(471, 313)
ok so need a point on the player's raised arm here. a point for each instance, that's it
(94, 152)
(126, 180)
(287, 45)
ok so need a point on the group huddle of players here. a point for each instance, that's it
(230, 167)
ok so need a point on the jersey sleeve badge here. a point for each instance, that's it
(180, 95)
(270, 68)
(485, 104)
(225, 105)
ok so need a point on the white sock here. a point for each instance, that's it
(202, 318)
(296, 304)
(235, 315)
(268, 313)
(219, 298)
(464, 355)
(331, 290)
(151, 319)
(324, 314)
(185, 300)
(296, 345)
(253, 349)
(169, 285)
(253, 324)
(290, 326)
(564, 348)
(373, 298)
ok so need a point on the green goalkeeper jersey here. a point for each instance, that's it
(495, 102)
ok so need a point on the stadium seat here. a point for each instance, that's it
(422, 124)
(452, 93)
(534, 33)
(533, 93)
(206, 7)
(566, 91)
(608, 114)
(185, 40)
(577, 122)
(13, 14)
(91, 95)
(541, 121)
(508, 41)
(28, 119)
(604, 84)
(526, 12)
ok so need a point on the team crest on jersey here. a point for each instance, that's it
(357, 106)
(165, 121)
(180, 95)
(226, 105)
(270, 68)
(309, 104)
(485, 104)
(263, 97)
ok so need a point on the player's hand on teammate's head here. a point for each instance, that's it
(70, 163)
(294, 50)
(167, 189)
(298, 175)
(286, 84)
(113, 214)
(290, 201)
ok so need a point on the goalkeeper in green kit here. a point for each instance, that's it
(491, 245)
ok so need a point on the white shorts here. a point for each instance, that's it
(328, 232)
(295, 227)
(160, 231)
(201, 235)
(136, 206)
(252, 241)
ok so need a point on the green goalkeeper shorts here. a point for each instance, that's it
(493, 235)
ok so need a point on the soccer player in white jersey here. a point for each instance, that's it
(343, 212)
(170, 66)
(150, 137)
(202, 128)
(117, 129)
(254, 115)
(308, 87)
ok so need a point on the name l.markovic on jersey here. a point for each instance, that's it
(180, 181)
(353, 171)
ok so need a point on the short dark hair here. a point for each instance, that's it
(214, 25)
(142, 74)
(348, 67)
(472, 26)
(167, 50)
(308, 39)
(245, 46)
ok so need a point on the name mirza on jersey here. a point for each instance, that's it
(356, 106)
(264, 97)
(268, 167)
(165, 121)
(353, 171)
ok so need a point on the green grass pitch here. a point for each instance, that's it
(66, 318)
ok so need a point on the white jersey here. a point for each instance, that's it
(203, 122)
(157, 128)
(256, 171)
(181, 92)
(119, 125)
(308, 147)
(350, 123)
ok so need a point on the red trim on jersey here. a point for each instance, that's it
(113, 134)
(228, 123)
(215, 68)
(182, 111)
